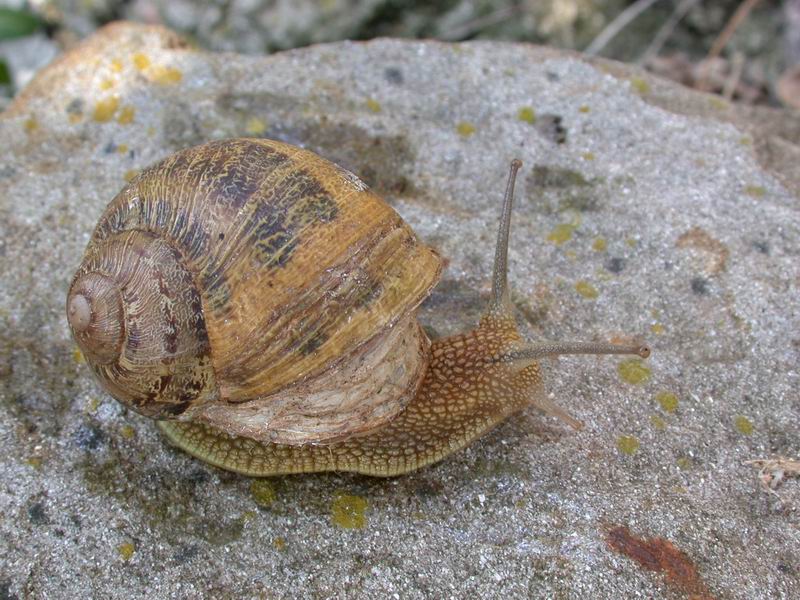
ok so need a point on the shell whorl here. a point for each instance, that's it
(136, 315)
(296, 265)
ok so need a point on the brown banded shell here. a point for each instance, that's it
(262, 289)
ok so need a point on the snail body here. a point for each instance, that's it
(260, 302)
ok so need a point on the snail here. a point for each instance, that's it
(260, 303)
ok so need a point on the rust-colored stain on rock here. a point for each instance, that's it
(716, 252)
(658, 554)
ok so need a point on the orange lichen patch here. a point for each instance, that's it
(700, 239)
(104, 110)
(658, 554)
(126, 115)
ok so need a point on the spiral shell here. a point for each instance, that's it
(257, 287)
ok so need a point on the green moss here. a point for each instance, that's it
(627, 444)
(668, 401)
(347, 511)
(633, 371)
(527, 114)
(262, 492)
(743, 424)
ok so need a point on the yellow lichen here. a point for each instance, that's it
(77, 355)
(633, 371)
(122, 148)
(527, 114)
(35, 462)
(141, 61)
(465, 129)
(583, 108)
(30, 125)
(262, 492)
(599, 244)
(373, 105)
(279, 543)
(658, 422)
(588, 156)
(631, 242)
(127, 432)
(130, 174)
(164, 75)
(561, 233)
(104, 110)
(668, 401)
(92, 405)
(126, 115)
(255, 126)
(743, 424)
(640, 86)
(627, 444)
(116, 65)
(684, 463)
(587, 290)
(718, 103)
(106, 84)
(347, 511)
(755, 191)
(657, 328)
(126, 550)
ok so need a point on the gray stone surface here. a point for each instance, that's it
(696, 205)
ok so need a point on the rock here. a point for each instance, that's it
(644, 210)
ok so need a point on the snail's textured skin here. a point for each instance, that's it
(466, 392)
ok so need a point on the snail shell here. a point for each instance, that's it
(258, 288)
